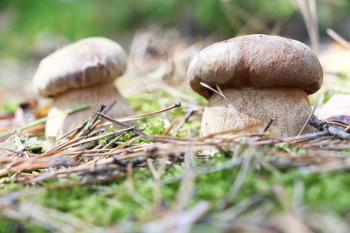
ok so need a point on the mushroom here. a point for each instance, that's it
(83, 72)
(262, 77)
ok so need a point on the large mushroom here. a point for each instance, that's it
(262, 77)
(83, 72)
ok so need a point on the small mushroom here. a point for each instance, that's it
(83, 72)
(263, 77)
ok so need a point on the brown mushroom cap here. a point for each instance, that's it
(84, 63)
(256, 61)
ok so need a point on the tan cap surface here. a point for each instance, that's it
(84, 63)
(256, 61)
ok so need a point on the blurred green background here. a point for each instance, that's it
(31, 29)
(24, 24)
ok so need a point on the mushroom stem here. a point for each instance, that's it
(289, 108)
(59, 123)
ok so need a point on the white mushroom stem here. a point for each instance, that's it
(256, 107)
(59, 123)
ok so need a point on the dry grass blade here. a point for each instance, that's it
(308, 119)
(290, 221)
(331, 166)
(253, 25)
(123, 125)
(141, 116)
(185, 119)
(4, 135)
(179, 221)
(241, 177)
(186, 190)
(99, 137)
(235, 162)
(157, 173)
(229, 105)
(335, 36)
(50, 219)
(308, 9)
(268, 125)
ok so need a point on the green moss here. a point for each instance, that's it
(11, 226)
(9, 107)
(325, 192)
(6, 188)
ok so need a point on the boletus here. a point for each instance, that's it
(263, 77)
(83, 72)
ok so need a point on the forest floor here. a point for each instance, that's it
(157, 177)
